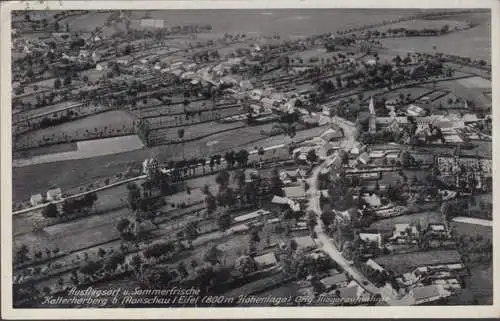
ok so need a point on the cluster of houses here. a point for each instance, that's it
(53, 194)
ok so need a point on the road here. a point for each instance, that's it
(326, 243)
(473, 220)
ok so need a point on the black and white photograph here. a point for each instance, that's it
(241, 158)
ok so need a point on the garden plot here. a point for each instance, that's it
(184, 120)
(422, 24)
(475, 82)
(193, 131)
(111, 123)
(87, 149)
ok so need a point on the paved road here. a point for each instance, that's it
(326, 243)
(472, 220)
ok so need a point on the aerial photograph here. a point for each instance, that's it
(251, 158)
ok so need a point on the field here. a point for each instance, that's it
(421, 24)
(48, 109)
(402, 263)
(481, 285)
(181, 120)
(475, 82)
(472, 230)
(413, 91)
(104, 124)
(78, 172)
(86, 149)
(479, 43)
(52, 149)
(166, 135)
(423, 218)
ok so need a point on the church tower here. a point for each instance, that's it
(372, 122)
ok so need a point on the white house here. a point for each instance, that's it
(36, 199)
(372, 237)
(54, 194)
(101, 66)
(96, 57)
(266, 260)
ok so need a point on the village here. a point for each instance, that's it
(330, 169)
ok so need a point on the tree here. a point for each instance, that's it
(67, 80)
(180, 133)
(311, 221)
(222, 179)
(213, 255)
(57, 83)
(122, 225)
(311, 156)
(181, 267)
(224, 221)
(254, 236)
(245, 265)
(191, 232)
(134, 195)
(243, 157)
(101, 252)
(193, 264)
(50, 211)
(91, 267)
(114, 260)
(136, 262)
(276, 183)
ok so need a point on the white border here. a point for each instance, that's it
(205, 313)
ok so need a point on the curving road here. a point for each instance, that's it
(325, 242)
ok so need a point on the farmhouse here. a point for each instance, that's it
(265, 260)
(54, 194)
(36, 199)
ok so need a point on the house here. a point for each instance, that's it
(294, 206)
(36, 199)
(54, 194)
(349, 295)
(123, 61)
(101, 66)
(291, 176)
(84, 54)
(428, 294)
(265, 260)
(373, 265)
(149, 166)
(332, 134)
(414, 110)
(346, 216)
(364, 158)
(246, 85)
(437, 229)
(372, 199)
(390, 211)
(305, 243)
(96, 57)
(372, 238)
(336, 281)
(404, 233)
